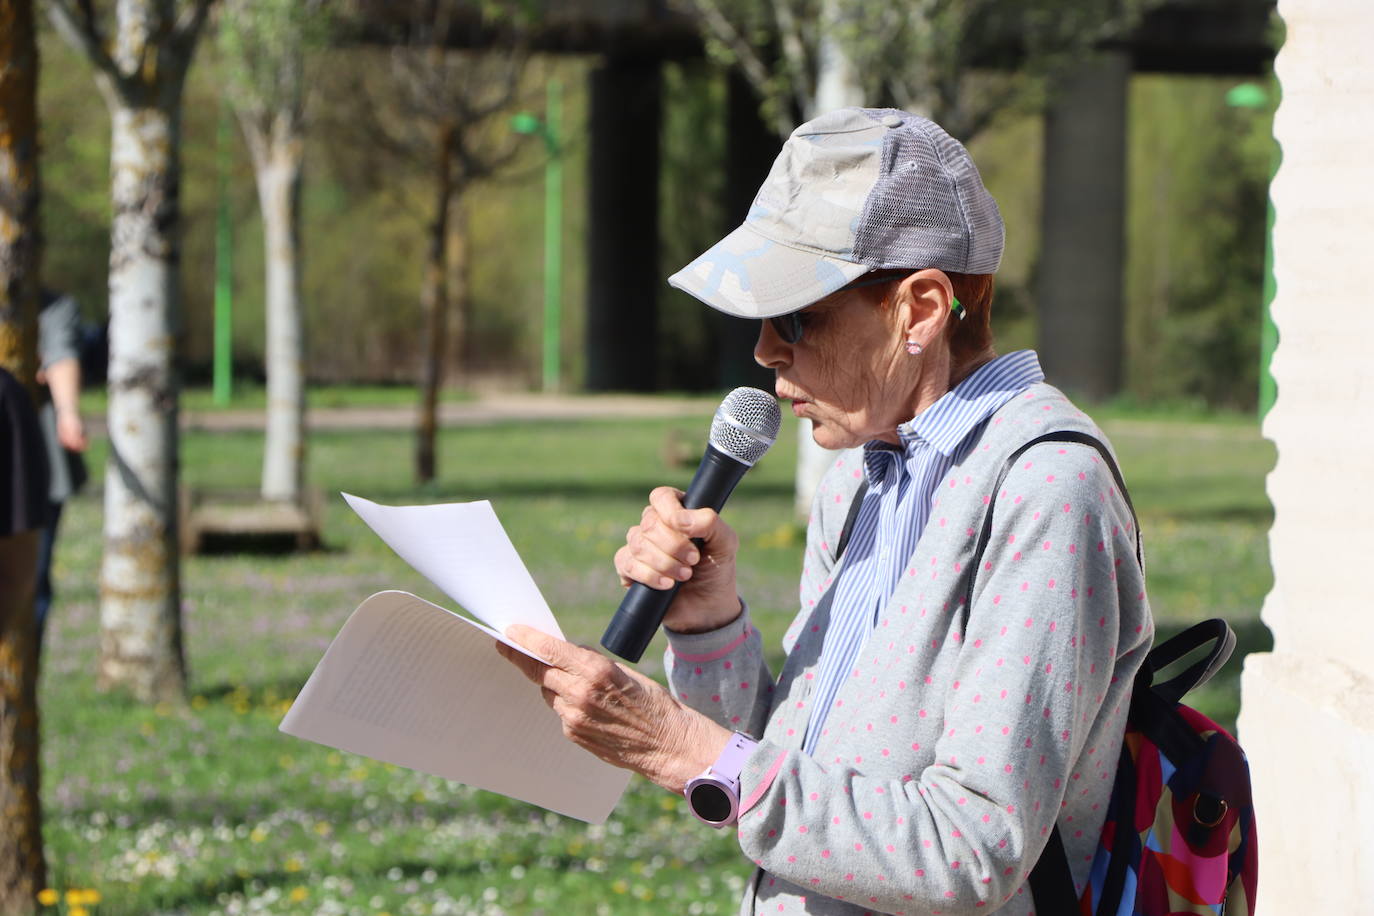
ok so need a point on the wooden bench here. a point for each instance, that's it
(245, 514)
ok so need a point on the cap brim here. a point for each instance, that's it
(750, 276)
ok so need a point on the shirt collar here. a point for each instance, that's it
(945, 424)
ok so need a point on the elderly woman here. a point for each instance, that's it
(916, 752)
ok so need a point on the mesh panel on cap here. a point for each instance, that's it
(929, 207)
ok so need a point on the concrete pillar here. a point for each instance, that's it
(622, 238)
(1079, 296)
(1307, 708)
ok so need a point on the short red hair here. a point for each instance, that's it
(970, 339)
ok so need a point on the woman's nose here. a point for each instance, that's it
(771, 351)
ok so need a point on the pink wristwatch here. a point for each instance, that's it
(714, 795)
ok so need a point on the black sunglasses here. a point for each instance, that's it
(789, 327)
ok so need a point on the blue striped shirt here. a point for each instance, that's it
(896, 507)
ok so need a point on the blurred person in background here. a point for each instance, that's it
(64, 432)
(916, 752)
(23, 495)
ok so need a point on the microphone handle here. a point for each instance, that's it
(643, 608)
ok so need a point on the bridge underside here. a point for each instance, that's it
(1083, 217)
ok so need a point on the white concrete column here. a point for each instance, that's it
(1307, 713)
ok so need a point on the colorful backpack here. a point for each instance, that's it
(1180, 831)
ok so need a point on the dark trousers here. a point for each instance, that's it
(43, 595)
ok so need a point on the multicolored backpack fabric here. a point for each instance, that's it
(1180, 832)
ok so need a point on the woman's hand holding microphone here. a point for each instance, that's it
(613, 711)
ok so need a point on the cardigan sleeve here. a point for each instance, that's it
(723, 673)
(1057, 626)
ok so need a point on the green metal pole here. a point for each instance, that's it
(553, 239)
(1254, 97)
(224, 272)
(1269, 331)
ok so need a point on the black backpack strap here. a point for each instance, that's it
(1063, 435)
(1214, 631)
(850, 519)
(1051, 879)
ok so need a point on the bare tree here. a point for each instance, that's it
(264, 44)
(447, 109)
(919, 55)
(140, 67)
(22, 867)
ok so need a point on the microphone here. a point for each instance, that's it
(744, 427)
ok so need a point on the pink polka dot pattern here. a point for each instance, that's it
(948, 754)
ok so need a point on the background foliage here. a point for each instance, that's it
(1198, 173)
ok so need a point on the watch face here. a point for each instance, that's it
(710, 802)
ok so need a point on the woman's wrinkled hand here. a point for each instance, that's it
(616, 713)
(661, 550)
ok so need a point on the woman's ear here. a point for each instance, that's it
(924, 299)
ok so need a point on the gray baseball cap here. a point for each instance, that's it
(852, 191)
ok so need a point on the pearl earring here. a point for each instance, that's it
(914, 348)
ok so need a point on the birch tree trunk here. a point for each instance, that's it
(837, 86)
(141, 72)
(22, 867)
(277, 158)
(140, 587)
(435, 305)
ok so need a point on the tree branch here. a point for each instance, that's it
(188, 25)
(725, 32)
(801, 66)
(77, 26)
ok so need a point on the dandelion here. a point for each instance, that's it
(298, 894)
(47, 896)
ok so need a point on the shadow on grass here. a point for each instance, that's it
(255, 693)
(1259, 516)
(260, 545)
(233, 883)
(619, 488)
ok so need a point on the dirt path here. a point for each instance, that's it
(487, 409)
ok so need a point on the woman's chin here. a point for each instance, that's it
(828, 436)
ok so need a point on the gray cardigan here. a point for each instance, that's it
(947, 756)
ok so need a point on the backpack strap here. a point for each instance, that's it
(850, 519)
(1051, 880)
(1063, 435)
(1215, 631)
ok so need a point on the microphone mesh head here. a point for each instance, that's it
(746, 424)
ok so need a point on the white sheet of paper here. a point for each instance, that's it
(410, 683)
(464, 551)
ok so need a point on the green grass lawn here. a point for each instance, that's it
(252, 395)
(211, 810)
